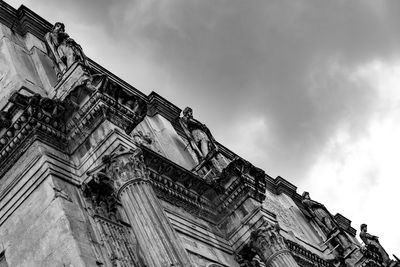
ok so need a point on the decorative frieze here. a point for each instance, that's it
(305, 257)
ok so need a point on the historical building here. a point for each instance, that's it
(95, 173)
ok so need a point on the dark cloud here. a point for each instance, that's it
(235, 60)
(232, 60)
(288, 63)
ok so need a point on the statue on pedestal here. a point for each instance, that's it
(372, 240)
(62, 49)
(336, 236)
(320, 213)
(200, 140)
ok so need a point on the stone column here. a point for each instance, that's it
(153, 231)
(270, 246)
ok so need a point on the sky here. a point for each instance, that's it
(308, 90)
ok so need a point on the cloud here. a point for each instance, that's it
(361, 172)
(303, 83)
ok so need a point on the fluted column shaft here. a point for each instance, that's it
(282, 258)
(270, 246)
(154, 233)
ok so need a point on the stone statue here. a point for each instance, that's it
(336, 236)
(62, 49)
(200, 138)
(321, 215)
(372, 240)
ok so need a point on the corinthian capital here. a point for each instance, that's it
(125, 166)
(268, 242)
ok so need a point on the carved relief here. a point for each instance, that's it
(145, 139)
(247, 257)
(38, 105)
(5, 120)
(99, 191)
(284, 215)
(121, 247)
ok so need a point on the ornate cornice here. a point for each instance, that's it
(302, 255)
(241, 180)
(175, 184)
(159, 105)
(68, 122)
(33, 117)
(345, 224)
(182, 197)
(23, 20)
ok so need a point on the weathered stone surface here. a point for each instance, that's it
(69, 196)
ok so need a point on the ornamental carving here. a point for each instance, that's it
(116, 170)
(5, 120)
(37, 105)
(284, 215)
(145, 139)
(119, 243)
(267, 240)
(136, 106)
(240, 167)
(241, 173)
(99, 191)
(247, 257)
(125, 165)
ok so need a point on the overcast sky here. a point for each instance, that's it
(308, 90)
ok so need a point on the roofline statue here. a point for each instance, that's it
(200, 140)
(336, 236)
(372, 240)
(63, 50)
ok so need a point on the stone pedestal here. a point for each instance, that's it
(154, 233)
(270, 247)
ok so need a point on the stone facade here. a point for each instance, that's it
(95, 173)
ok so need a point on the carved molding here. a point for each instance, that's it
(241, 180)
(268, 242)
(61, 123)
(305, 257)
(99, 192)
(126, 167)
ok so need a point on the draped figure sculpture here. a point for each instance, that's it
(320, 213)
(63, 50)
(200, 138)
(372, 240)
